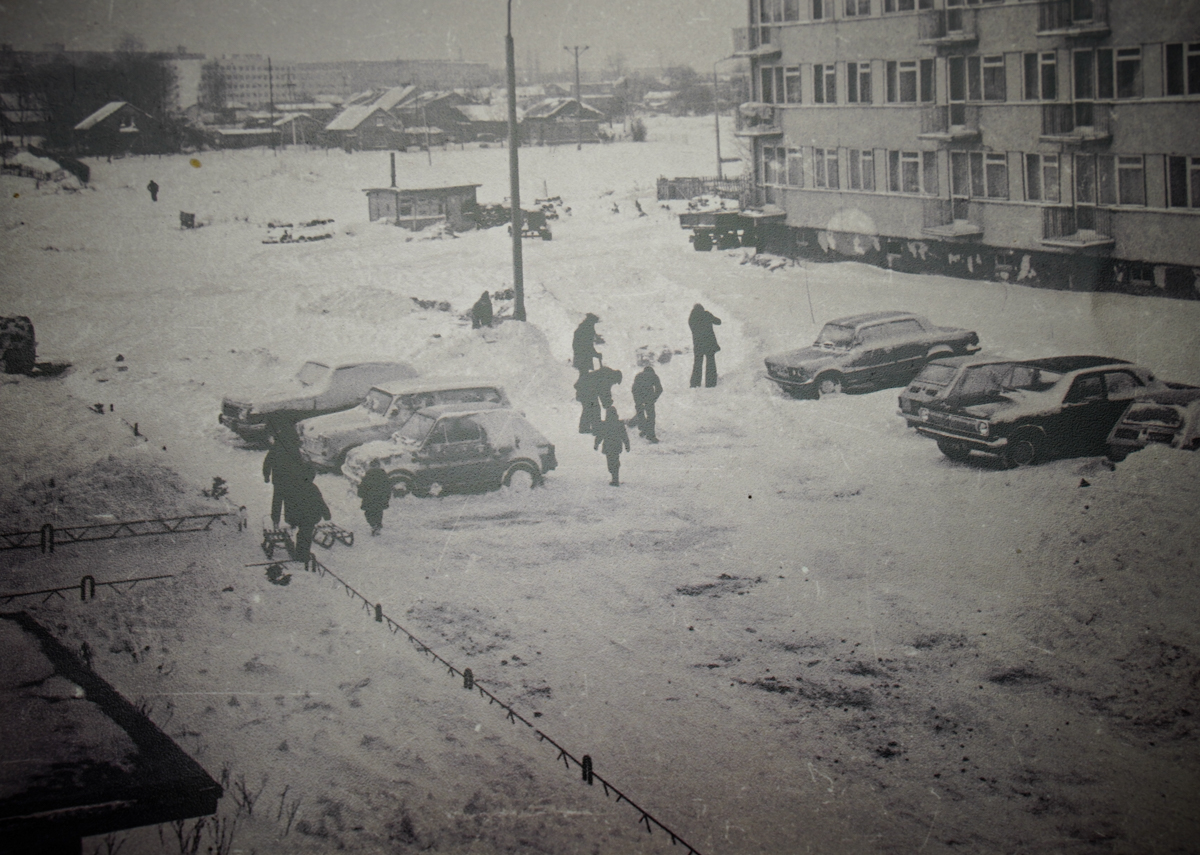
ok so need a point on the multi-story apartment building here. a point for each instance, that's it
(1052, 140)
(249, 80)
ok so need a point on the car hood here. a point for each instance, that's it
(1008, 406)
(808, 358)
(356, 418)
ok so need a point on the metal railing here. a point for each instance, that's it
(751, 39)
(948, 118)
(1081, 119)
(87, 588)
(49, 535)
(1061, 221)
(949, 25)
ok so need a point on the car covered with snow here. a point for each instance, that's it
(871, 350)
(317, 388)
(1171, 417)
(324, 440)
(1028, 411)
(458, 448)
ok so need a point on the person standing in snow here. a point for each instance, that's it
(614, 438)
(704, 346)
(584, 345)
(375, 490)
(304, 510)
(153, 188)
(285, 468)
(481, 312)
(586, 394)
(646, 390)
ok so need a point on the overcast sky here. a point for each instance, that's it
(647, 33)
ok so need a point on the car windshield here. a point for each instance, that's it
(377, 401)
(937, 375)
(835, 337)
(312, 373)
(986, 381)
(415, 429)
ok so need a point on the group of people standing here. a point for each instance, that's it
(594, 387)
(295, 498)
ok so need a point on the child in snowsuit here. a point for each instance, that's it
(614, 437)
(375, 490)
(481, 312)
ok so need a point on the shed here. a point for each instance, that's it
(120, 128)
(417, 208)
(81, 760)
(244, 137)
(298, 128)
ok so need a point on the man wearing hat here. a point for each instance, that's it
(584, 345)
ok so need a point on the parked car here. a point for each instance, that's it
(1171, 417)
(458, 448)
(324, 440)
(932, 382)
(872, 350)
(1027, 411)
(317, 388)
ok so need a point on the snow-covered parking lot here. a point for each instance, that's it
(795, 627)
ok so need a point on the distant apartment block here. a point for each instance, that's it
(1055, 141)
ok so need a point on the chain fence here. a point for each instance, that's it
(585, 765)
(48, 536)
(87, 588)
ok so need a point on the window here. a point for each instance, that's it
(1085, 76)
(905, 5)
(791, 84)
(772, 167)
(824, 84)
(904, 171)
(1183, 69)
(791, 10)
(858, 82)
(993, 78)
(857, 8)
(1107, 180)
(986, 178)
(1183, 182)
(1087, 388)
(825, 168)
(1041, 77)
(795, 168)
(862, 169)
(777, 11)
(1129, 72)
(1041, 178)
(907, 80)
(822, 9)
(1121, 384)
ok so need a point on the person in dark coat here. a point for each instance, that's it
(584, 345)
(704, 346)
(585, 394)
(481, 312)
(285, 468)
(646, 390)
(375, 490)
(153, 188)
(304, 510)
(613, 437)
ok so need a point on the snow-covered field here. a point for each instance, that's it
(795, 626)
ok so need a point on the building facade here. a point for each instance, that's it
(1054, 141)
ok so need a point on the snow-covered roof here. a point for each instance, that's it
(553, 106)
(100, 115)
(289, 117)
(394, 96)
(244, 132)
(352, 117)
(486, 112)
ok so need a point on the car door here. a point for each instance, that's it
(1083, 421)
(460, 457)
(911, 346)
(871, 362)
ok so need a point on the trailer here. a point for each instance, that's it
(727, 229)
(533, 224)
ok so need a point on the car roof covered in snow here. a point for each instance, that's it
(407, 387)
(871, 317)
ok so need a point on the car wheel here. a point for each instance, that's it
(521, 477)
(829, 384)
(954, 450)
(1116, 453)
(404, 486)
(1024, 449)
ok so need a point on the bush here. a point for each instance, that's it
(637, 129)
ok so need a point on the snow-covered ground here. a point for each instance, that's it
(794, 627)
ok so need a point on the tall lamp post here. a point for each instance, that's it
(514, 175)
(717, 115)
(578, 99)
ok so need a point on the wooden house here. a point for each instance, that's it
(120, 128)
(365, 127)
(553, 122)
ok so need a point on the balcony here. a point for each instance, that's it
(758, 120)
(755, 42)
(948, 219)
(950, 123)
(1073, 18)
(1084, 227)
(1076, 124)
(948, 27)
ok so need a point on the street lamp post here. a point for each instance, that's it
(514, 179)
(578, 99)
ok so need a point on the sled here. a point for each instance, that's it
(326, 533)
(274, 538)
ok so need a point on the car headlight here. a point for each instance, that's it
(983, 428)
(923, 414)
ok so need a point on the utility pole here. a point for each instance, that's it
(271, 103)
(578, 98)
(514, 180)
